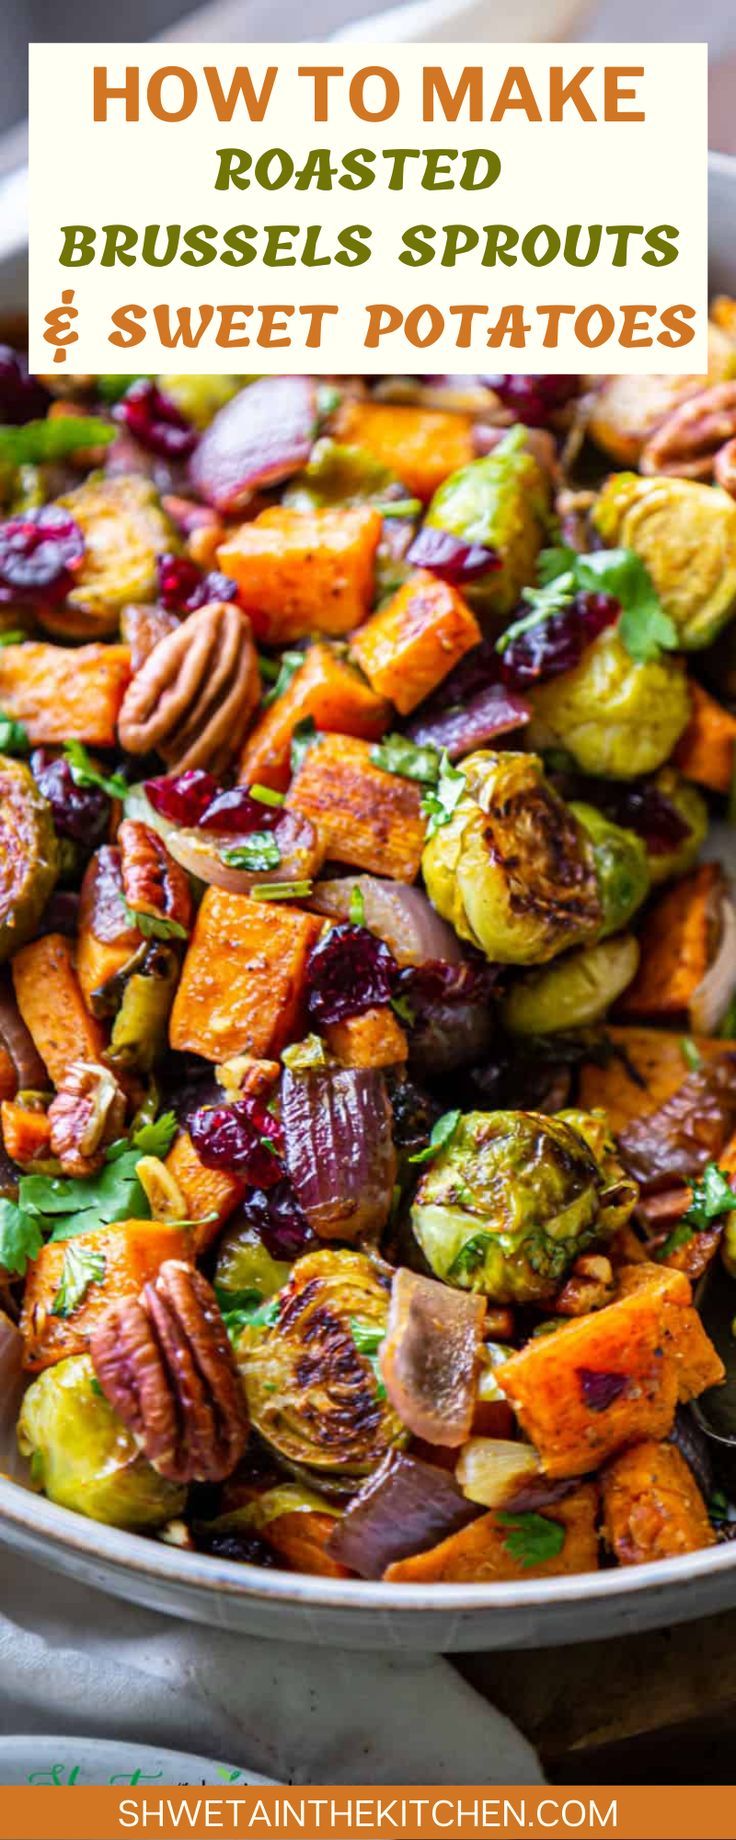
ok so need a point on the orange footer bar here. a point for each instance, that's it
(416, 1813)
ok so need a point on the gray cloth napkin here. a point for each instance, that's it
(75, 1662)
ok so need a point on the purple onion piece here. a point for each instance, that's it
(406, 1507)
(450, 557)
(339, 1150)
(262, 436)
(599, 1388)
(490, 712)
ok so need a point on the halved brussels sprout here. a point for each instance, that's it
(83, 1456)
(575, 991)
(614, 717)
(501, 501)
(200, 397)
(685, 533)
(510, 1203)
(336, 474)
(621, 866)
(124, 530)
(245, 1264)
(29, 854)
(313, 1390)
(513, 870)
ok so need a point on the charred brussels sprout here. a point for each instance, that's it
(510, 1203)
(29, 854)
(685, 533)
(621, 866)
(313, 1390)
(613, 716)
(124, 530)
(575, 991)
(82, 1455)
(513, 870)
(501, 501)
(339, 475)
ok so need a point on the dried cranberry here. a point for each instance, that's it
(437, 979)
(645, 809)
(155, 421)
(244, 1138)
(599, 1388)
(79, 812)
(533, 399)
(22, 397)
(39, 554)
(451, 558)
(276, 1214)
(557, 644)
(480, 667)
(237, 1544)
(347, 972)
(237, 812)
(182, 587)
(182, 797)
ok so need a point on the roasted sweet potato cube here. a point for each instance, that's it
(497, 1548)
(105, 939)
(335, 696)
(301, 1537)
(52, 1006)
(415, 640)
(652, 1506)
(375, 1039)
(63, 693)
(242, 981)
(132, 1251)
(367, 818)
(697, 1362)
(599, 1382)
(25, 1133)
(644, 1069)
(676, 941)
(302, 572)
(206, 1192)
(707, 750)
(422, 446)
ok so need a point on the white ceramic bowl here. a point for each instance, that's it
(349, 1613)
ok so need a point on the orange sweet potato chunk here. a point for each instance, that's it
(105, 941)
(62, 693)
(302, 572)
(206, 1192)
(415, 640)
(644, 1070)
(338, 701)
(422, 446)
(676, 943)
(366, 817)
(132, 1250)
(481, 1553)
(697, 1362)
(375, 1039)
(242, 981)
(706, 751)
(25, 1134)
(301, 1537)
(52, 1006)
(652, 1506)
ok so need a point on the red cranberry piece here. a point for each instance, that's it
(347, 972)
(557, 644)
(155, 421)
(22, 397)
(279, 1219)
(451, 558)
(182, 797)
(79, 812)
(182, 587)
(244, 1138)
(235, 811)
(39, 554)
(533, 399)
(643, 808)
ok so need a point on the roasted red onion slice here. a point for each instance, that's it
(490, 712)
(686, 1132)
(18, 1043)
(429, 1360)
(339, 1150)
(406, 1507)
(710, 1001)
(403, 917)
(201, 854)
(262, 436)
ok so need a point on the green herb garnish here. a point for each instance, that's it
(281, 891)
(281, 675)
(20, 1238)
(85, 773)
(303, 737)
(441, 1135)
(690, 1053)
(356, 909)
(245, 1309)
(532, 1538)
(643, 626)
(442, 800)
(712, 1196)
(368, 1340)
(265, 795)
(65, 1206)
(53, 439)
(397, 754)
(14, 737)
(81, 1268)
(470, 1257)
(258, 851)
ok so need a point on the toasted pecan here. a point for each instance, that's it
(689, 441)
(153, 883)
(87, 1114)
(195, 693)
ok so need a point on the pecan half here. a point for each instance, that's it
(86, 1115)
(688, 442)
(142, 627)
(195, 693)
(152, 882)
(165, 1364)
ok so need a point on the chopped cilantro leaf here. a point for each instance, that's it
(20, 1238)
(82, 1267)
(258, 851)
(13, 736)
(532, 1538)
(442, 800)
(85, 773)
(441, 1135)
(397, 754)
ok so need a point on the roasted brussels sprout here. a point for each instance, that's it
(502, 502)
(513, 870)
(613, 716)
(124, 530)
(311, 1382)
(573, 992)
(29, 854)
(199, 398)
(82, 1455)
(511, 1202)
(621, 866)
(340, 475)
(685, 533)
(245, 1264)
